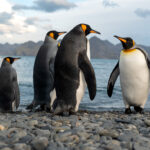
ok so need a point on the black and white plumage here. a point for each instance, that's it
(73, 70)
(133, 68)
(9, 88)
(43, 72)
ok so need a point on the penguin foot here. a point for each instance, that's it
(138, 109)
(72, 112)
(29, 107)
(45, 107)
(32, 106)
(128, 111)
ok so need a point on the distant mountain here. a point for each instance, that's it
(105, 49)
(99, 49)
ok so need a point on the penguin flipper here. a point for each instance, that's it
(16, 90)
(17, 95)
(112, 79)
(146, 56)
(89, 74)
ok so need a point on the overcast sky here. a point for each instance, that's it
(23, 20)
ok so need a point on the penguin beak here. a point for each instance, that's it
(16, 58)
(93, 31)
(60, 33)
(121, 39)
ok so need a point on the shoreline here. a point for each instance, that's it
(87, 130)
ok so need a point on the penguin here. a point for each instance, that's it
(43, 72)
(73, 70)
(9, 88)
(133, 68)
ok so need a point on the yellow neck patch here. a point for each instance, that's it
(127, 51)
(58, 44)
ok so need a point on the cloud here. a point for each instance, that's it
(142, 12)
(11, 22)
(46, 5)
(32, 20)
(5, 6)
(5, 17)
(109, 3)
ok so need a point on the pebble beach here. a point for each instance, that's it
(83, 131)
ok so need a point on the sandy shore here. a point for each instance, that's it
(84, 131)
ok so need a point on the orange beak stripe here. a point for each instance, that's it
(16, 59)
(123, 40)
(92, 31)
(60, 33)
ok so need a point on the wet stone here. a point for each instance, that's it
(21, 147)
(40, 143)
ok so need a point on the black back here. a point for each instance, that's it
(70, 58)
(9, 88)
(43, 73)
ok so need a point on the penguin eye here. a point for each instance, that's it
(84, 27)
(8, 60)
(51, 35)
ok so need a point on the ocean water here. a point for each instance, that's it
(102, 67)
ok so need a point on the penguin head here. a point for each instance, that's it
(54, 34)
(87, 29)
(127, 42)
(10, 60)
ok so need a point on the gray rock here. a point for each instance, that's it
(33, 122)
(6, 148)
(14, 134)
(2, 144)
(42, 133)
(126, 121)
(84, 147)
(108, 124)
(40, 143)
(128, 136)
(61, 129)
(126, 145)
(21, 147)
(138, 146)
(112, 133)
(26, 139)
(111, 146)
(147, 122)
(83, 135)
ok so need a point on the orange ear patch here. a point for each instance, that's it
(84, 27)
(8, 60)
(51, 35)
(133, 43)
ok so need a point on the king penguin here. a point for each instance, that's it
(133, 67)
(43, 72)
(9, 88)
(73, 70)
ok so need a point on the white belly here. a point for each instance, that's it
(134, 78)
(53, 97)
(82, 83)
